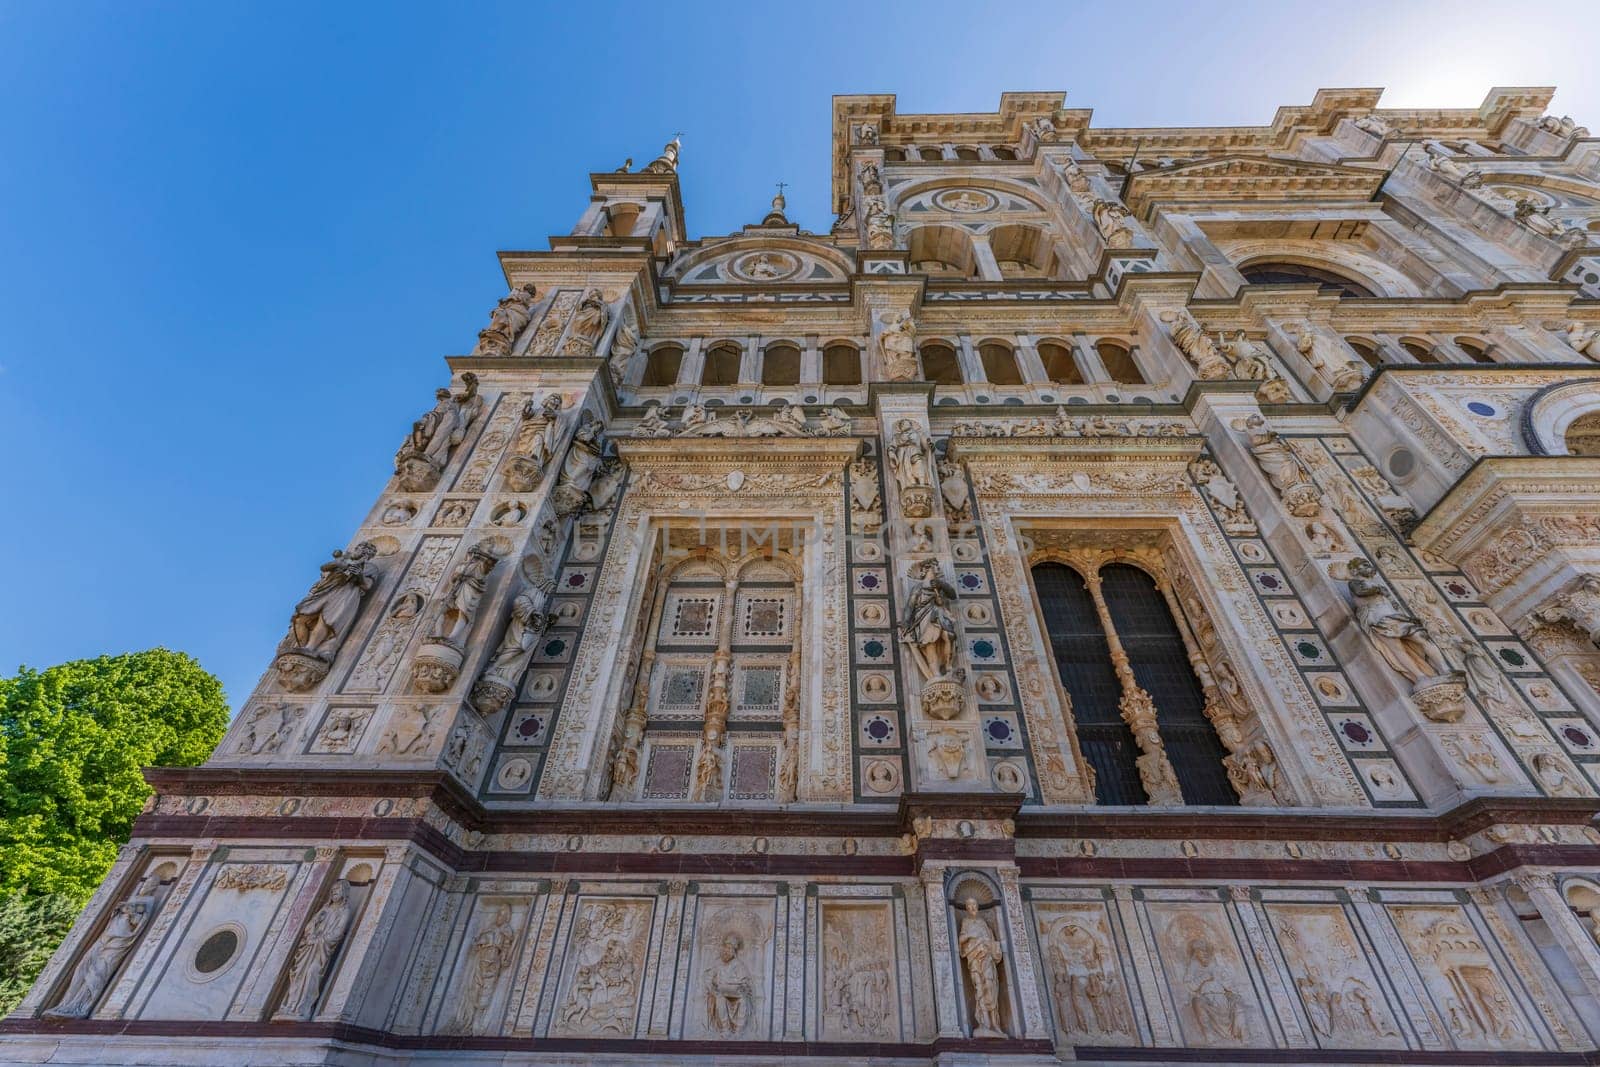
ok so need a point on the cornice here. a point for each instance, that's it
(1554, 484)
(1046, 451)
(1233, 178)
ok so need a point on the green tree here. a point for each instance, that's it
(73, 740)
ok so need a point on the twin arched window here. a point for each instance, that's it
(1121, 607)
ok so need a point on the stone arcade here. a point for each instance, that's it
(1119, 594)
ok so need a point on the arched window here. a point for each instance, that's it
(999, 364)
(722, 365)
(780, 365)
(1004, 152)
(942, 250)
(1160, 663)
(1022, 252)
(967, 152)
(621, 220)
(1420, 351)
(1059, 366)
(1367, 350)
(1083, 661)
(940, 364)
(932, 153)
(1583, 435)
(841, 364)
(893, 155)
(661, 365)
(1476, 350)
(1119, 363)
(1299, 274)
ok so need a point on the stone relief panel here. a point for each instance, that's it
(730, 992)
(485, 964)
(1085, 981)
(1206, 974)
(1464, 981)
(381, 657)
(603, 968)
(1341, 996)
(858, 994)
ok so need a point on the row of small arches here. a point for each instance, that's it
(780, 363)
(933, 152)
(1423, 350)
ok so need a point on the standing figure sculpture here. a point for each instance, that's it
(1327, 356)
(421, 460)
(536, 442)
(571, 493)
(1114, 223)
(319, 941)
(322, 618)
(506, 322)
(588, 325)
(1282, 467)
(909, 463)
(487, 960)
(97, 966)
(897, 343)
(1198, 348)
(982, 954)
(928, 628)
(1400, 638)
(498, 684)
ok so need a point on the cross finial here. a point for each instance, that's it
(781, 187)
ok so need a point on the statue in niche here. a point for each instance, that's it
(1326, 355)
(880, 224)
(953, 487)
(981, 953)
(497, 685)
(536, 442)
(96, 966)
(459, 606)
(308, 968)
(898, 345)
(1196, 346)
(929, 626)
(1089, 998)
(1114, 223)
(322, 618)
(506, 322)
(1374, 125)
(427, 449)
(908, 462)
(1578, 607)
(571, 493)
(487, 959)
(587, 325)
(1400, 638)
(871, 180)
(1216, 1009)
(1281, 466)
(1582, 340)
(729, 988)
(1250, 364)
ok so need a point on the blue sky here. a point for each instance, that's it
(236, 239)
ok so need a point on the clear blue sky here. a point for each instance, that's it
(236, 239)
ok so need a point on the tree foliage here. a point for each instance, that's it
(73, 739)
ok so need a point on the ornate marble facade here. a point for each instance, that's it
(1121, 594)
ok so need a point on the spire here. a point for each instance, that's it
(667, 161)
(776, 217)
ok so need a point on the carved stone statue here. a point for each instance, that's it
(984, 958)
(1075, 177)
(96, 966)
(1564, 126)
(1250, 363)
(322, 619)
(571, 493)
(908, 462)
(880, 223)
(834, 423)
(1114, 224)
(871, 180)
(1578, 607)
(953, 487)
(928, 626)
(487, 960)
(1400, 638)
(506, 322)
(898, 346)
(729, 988)
(1044, 130)
(1584, 341)
(1441, 163)
(1282, 467)
(1196, 346)
(439, 659)
(536, 442)
(1374, 125)
(1538, 220)
(427, 449)
(588, 324)
(319, 941)
(652, 424)
(1327, 356)
(497, 685)
(1231, 510)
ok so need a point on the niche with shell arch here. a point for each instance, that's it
(980, 888)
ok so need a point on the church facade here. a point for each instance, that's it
(1129, 595)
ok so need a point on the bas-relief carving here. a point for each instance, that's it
(857, 988)
(599, 992)
(1341, 995)
(730, 992)
(319, 941)
(92, 973)
(1209, 980)
(489, 955)
(1084, 974)
(1463, 981)
(411, 731)
(267, 728)
(382, 655)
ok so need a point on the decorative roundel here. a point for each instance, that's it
(769, 265)
(1576, 737)
(1478, 407)
(999, 731)
(879, 728)
(1512, 657)
(1355, 731)
(965, 201)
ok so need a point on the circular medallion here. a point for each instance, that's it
(965, 201)
(765, 266)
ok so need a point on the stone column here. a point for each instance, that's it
(1138, 711)
(713, 734)
(1576, 941)
(1024, 971)
(947, 988)
(988, 269)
